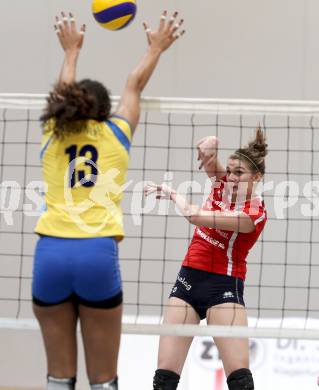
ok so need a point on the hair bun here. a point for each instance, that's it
(258, 147)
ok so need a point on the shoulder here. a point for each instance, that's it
(256, 210)
(123, 124)
(255, 203)
(47, 135)
(49, 126)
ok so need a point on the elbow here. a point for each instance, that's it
(194, 217)
(192, 220)
(247, 229)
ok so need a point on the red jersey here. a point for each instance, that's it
(222, 251)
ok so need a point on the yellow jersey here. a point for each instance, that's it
(84, 175)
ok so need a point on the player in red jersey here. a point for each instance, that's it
(210, 283)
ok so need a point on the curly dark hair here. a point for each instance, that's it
(70, 105)
(254, 153)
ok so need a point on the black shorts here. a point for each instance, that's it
(202, 289)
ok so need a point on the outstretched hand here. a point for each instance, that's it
(207, 149)
(162, 191)
(71, 39)
(167, 33)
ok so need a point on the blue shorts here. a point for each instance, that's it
(202, 290)
(82, 269)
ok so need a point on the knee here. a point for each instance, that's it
(165, 380)
(241, 379)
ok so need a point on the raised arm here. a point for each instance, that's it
(71, 40)
(158, 41)
(229, 220)
(207, 149)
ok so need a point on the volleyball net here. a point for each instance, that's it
(282, 288)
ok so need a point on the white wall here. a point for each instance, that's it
(253, 49)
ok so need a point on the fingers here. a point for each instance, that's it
(72, 21)
(200, 142)
(56, 29)
(69, 36)
(173, 26)
(158, 190)
(82, 30)
(207, 149)
(161, 191)
(82, 33)
(66, 23)
(202, 163)
(65, 20)
(150, 188)
(58, 25)
(207, 143)
(200, 156)
(162, 21)
(59, 31)
(176, 26)
(207, 161)
(61, 24)
(179, 34)
(148, 31)
(172, 20)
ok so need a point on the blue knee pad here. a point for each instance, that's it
(241, 379)
(165, 380)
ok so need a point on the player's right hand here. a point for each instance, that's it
(167, 32)
(71, 39)
(207, 149)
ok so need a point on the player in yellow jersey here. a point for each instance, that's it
(85, 155)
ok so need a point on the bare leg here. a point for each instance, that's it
(233, 351)
(58, 327)
(101, 332)
(173, 349)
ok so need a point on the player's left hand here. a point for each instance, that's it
(71, 39)
(167, 33)
(162, 191)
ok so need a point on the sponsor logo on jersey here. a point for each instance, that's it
(209, 239)
(221, 233)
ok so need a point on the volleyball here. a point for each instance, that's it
(114, 14)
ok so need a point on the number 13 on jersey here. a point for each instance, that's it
(90, 154)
